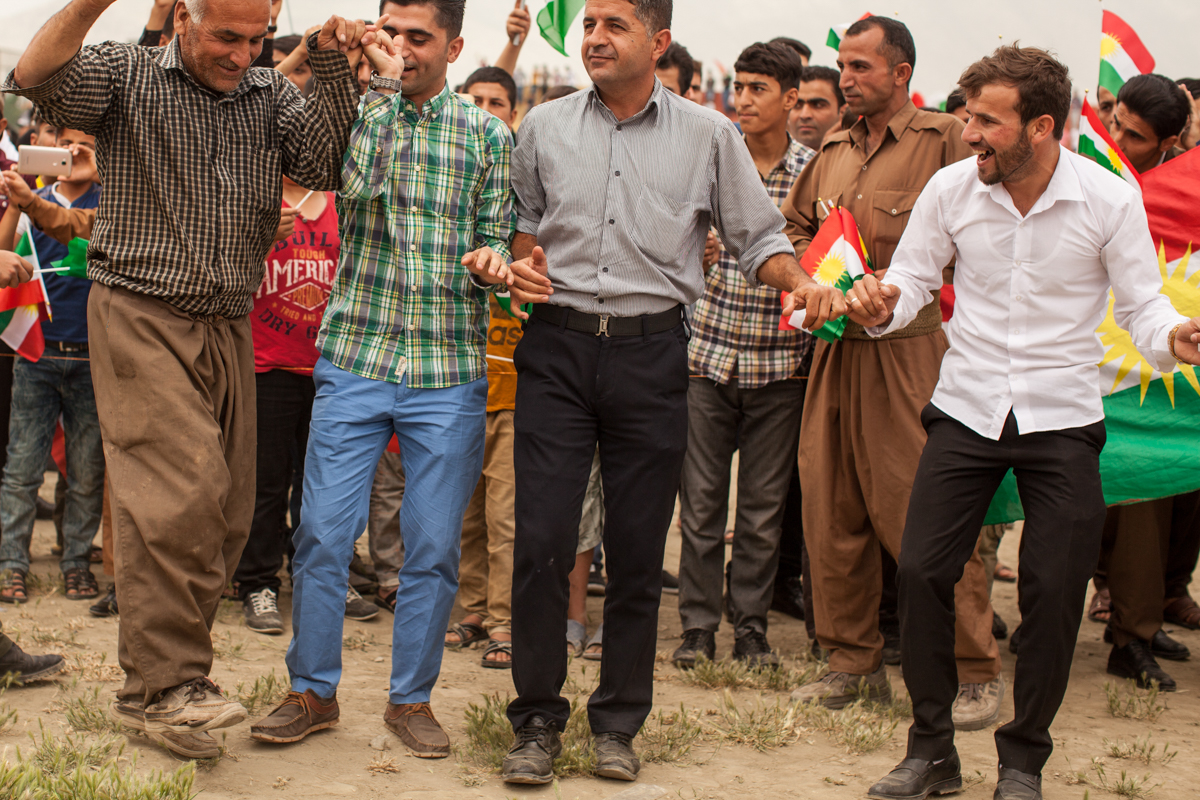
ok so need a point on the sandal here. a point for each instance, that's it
(1182, 611)
(468, 633)
(497, 646)
(576, 638)
(81, 584)
(14, 590)
(387, 601)
(1004, 574)
(1100, 609)
(596, 641)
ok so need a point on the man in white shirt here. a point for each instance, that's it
(1040, 235)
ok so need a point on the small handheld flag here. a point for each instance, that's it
(1122, 54)
(838, 32)
(1096, 144)
(836, 257)
(555, 20)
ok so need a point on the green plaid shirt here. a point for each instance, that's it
(420, 189)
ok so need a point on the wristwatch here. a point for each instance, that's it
(380, 82)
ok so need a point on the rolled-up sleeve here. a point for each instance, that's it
(749, 222)
(1138, 305)
(80, 94)
(526, 180)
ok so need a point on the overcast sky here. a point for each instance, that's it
(949, 35)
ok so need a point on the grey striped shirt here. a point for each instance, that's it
(622, 209)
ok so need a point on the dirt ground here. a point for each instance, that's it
(335, 763)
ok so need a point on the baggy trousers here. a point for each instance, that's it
(629, 394)
(1058, 477)
(175, 395)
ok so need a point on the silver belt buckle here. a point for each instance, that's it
(604, 327)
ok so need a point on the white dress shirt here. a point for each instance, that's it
(1031, 292)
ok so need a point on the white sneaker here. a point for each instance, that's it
(262, 613)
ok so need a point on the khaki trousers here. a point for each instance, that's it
(383, 522)
(860, 442)
(175, 396)
(485, 570)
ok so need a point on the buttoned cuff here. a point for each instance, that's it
(379, 108)
(328, 66)
(51, 88)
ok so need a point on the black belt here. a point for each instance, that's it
(598, 325)
(68, 347)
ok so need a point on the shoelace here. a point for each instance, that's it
(199, 688)
(263, 602)
(352, 594)
(970, 691)
(530, 733)
(693, 639)
(755, 643)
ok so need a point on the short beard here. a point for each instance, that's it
(1019, 155)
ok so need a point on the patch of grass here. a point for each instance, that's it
(763, 726)
(861, 727)
(93, 668)
(733, 674)
(87, 712)
(1134, 703)
(266, 691)
(225, 647)
(582, 685)
(1128, 786)
(668, 737)
(1140, 749)
(359, 640)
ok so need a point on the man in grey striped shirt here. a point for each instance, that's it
(616, 190)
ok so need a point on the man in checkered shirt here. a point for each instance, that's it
(191, 146)
(745, 393)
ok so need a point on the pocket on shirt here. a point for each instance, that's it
(660, 226)
(891, 209)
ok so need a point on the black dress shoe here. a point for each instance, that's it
(615, 757)
(1014, 785)
(696, 642)
(25, 668)
(106, 606)
(531, 759)
(1163, 646)
(999, 627)
(788, 597)
(670, 583)
(1135, 660)
(914, 779)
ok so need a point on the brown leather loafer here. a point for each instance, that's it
(296, 717)
(416, 726)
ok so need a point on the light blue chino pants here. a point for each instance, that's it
(441, 435)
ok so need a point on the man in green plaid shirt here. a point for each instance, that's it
(425, 180)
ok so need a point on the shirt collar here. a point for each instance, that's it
(433, 105)
(898, 124)
(1064, 186)
(171, 58)
(656, 98)
(793, 160)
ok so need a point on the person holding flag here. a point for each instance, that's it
(1018, 390)
(861, 435)
(58, 383)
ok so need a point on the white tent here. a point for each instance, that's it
(949, 35)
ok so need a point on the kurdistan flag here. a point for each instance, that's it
(1153, 419)
(21, 309)
(1122, 54)
(838, 32)
(1096, 144)
(555, 21)
(837, 257)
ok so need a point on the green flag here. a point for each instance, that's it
(556, 19)
(76, 260)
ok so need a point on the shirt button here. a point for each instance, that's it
(612, 222)
(606, 269)
(412, 326)
(1019, 298)
(893, 211)
(864, 167)
(600, 301)
(413, 248)
(618, 173)
(618, 127)
(860, 197)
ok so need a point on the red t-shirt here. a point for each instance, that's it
(289, 304)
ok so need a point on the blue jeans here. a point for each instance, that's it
(441, 433)
(41, 391)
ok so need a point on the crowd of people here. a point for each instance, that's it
(502, 332)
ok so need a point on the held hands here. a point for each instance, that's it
(1187, 342)
(488, 265)
(14, 270)
(345, 36)
(871, 303)
(820, 304)
(518, 23)
(382, 53)
(530, 283)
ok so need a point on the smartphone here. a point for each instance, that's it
(52, 161)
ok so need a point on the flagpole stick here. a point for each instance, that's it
(305, 200)
(44, 270)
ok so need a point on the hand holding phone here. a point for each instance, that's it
(51, 161)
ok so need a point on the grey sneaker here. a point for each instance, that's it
(358, 609)
(193, 707)
(978, 704)
(262, 612)
(839, 689)
(130, 712)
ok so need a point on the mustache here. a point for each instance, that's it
(602, 52)
(220, 62)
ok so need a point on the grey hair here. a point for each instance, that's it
(654, 14)
(197, 9)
